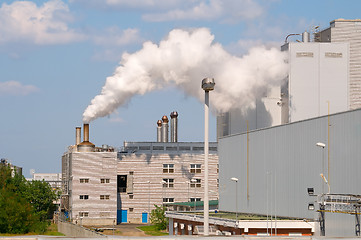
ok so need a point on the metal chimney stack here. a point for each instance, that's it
(86, 146)
(77, 135)
(159, 131)
(174, 126)
(164, 129)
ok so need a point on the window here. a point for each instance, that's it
(168, 182)
(83, 214)
(168, 200)
(84, 180)
(195, 199)
(168, 168)
(196, 183)
(131, 173)
(131, 196)
(217, 168)
(104, 180)
(131, 209)
(195, 168)
(104, 197)
(84, 197)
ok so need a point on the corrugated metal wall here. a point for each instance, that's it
(284, 161)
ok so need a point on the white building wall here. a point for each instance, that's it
(93, 166)
(149, 167)
(318, 75)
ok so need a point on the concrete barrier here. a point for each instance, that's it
(73, 230)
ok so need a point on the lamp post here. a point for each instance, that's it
(322, 145)
(148, 200)
(195, 192)
(163, 182)
(207, 85)
(236, 180)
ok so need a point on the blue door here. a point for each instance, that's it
(144, 217)
(122, 216)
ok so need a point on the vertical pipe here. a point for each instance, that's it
(86, 132)
(77, 135)
(165, 129)
(247, 163)
(174, 127)
(159, 131)
(328, 143)
(206, 202)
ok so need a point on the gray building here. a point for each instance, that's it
(279, 169)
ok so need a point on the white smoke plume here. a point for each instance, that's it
(183, 59)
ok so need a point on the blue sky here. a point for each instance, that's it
(56, 55)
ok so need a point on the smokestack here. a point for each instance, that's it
(305, 36)
(164, 129)
(77, 135)
(174, 126)
(159, 131)
(86, 146)
(86, 132)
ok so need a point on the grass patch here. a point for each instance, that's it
(152, 231)
(51, 231)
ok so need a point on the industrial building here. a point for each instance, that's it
(103, 186)
(324, 77)
(306, 163)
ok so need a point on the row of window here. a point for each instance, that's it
(194, 168)
(102, 180)
(102, 197)
(169, 183)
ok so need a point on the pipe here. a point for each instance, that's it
(159, 131)
(174, 126)
(86, 132)
(77, 135)
(164, 129)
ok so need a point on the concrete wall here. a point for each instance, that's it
(73, 230)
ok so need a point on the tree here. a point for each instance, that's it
(157, 217)
(24, 206)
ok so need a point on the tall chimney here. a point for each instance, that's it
(86, 132)
(77, 135)
(86, 146)
(159, 131)
(174, 126)
(164, 129)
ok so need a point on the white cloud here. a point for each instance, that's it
(14, 88)
(225, 10)
(117, 37)
(171, 10)
(46, 24)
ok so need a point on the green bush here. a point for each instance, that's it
(157, 217)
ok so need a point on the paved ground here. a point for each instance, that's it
(125, 229)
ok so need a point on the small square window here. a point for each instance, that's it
(84, 197)
(131, 209)
(131, 196)
(131, 173)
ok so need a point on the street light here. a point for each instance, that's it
(236, 180)
(207, 85)
(148, 200)
(322, 145)
(163, 182)
(195, 192)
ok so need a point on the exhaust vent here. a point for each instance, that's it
(164, 129)
(174, 126)
(86, 146)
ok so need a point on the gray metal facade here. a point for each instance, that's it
(284, 161)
